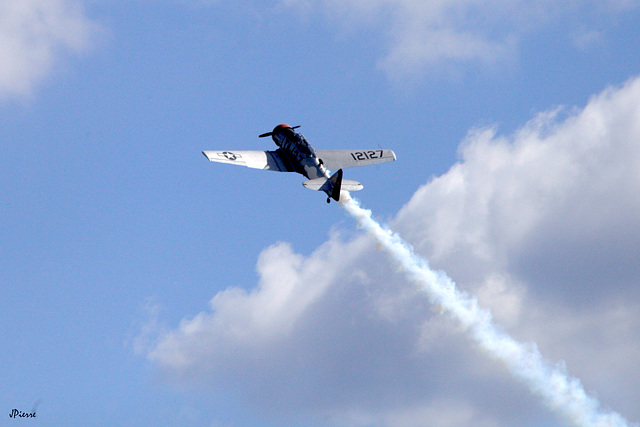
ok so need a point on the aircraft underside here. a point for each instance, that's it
(295, 154)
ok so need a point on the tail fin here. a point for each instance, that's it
(331, 186)
(336, 179)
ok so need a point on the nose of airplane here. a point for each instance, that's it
(280, 127)
(277, 129)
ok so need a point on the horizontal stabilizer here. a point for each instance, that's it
(314, 184)
(348, 185)
(318, 184)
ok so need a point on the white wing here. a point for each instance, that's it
(267, 160)
(340, 159)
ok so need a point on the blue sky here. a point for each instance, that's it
(144, 285)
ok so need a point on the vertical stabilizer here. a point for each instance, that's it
(336, 179)
(332, 185)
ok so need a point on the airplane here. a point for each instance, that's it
(295, 154)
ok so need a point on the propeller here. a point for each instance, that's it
(271, 133)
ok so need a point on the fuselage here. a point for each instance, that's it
(299, 152)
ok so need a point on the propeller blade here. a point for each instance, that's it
(271, 133)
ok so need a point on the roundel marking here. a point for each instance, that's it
(229, 155)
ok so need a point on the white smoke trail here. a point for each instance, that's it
(560, 392)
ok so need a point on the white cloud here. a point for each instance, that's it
(33, 35)
(542, 225)
(442, 35)
(569, 183)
